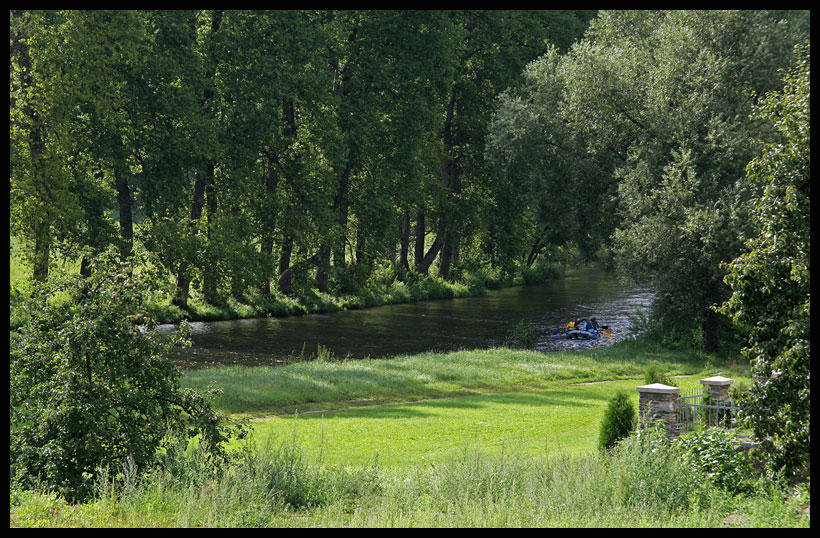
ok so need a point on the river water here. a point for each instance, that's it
(440, 325)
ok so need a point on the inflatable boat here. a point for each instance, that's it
(576, 334)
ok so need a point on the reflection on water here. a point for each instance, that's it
(441, 325)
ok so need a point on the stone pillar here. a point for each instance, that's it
(718, 386)
(658, 401)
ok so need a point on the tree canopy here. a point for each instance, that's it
(266, 152)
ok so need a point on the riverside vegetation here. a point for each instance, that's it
(214, 164)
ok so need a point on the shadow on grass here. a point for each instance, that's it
(579, 398)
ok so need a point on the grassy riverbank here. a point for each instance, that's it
(472, 438)
(327, 383)
(422, 408)
(382, 288)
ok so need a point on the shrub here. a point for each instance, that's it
(619, 420)
(715, 453)
(650, 474)
(539, 273)
(655, 374)
(89, 384)
(524, 335)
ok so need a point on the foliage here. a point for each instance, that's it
(619, 421)
(472, 489)
(89, 385)
(636, 139)
(716, 453)
(524, 335)
(267, 153)
(770, 279)
(655, 373)
(649, 472)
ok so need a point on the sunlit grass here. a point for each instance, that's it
(534, 423)
(329, 384)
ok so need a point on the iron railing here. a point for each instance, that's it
(691, 413)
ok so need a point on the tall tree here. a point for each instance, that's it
(770, 279)
(668, 93)
(41, 201)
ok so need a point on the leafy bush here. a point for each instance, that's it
(648, 472)
(539, 273)
(524, 335)
(654, 373)
(715, 453)
(89, 384)
(618, 422)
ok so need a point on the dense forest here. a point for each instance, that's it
(254, 155)
(262, 151)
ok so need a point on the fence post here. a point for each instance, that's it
(658, 401)
(718, 386)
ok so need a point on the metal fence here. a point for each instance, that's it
(692, 413)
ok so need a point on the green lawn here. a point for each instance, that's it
(422, 408)
(546, 422)
(305, 386)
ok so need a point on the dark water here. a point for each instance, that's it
(441, 325)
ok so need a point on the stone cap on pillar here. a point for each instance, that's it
(658, 388)
(716, 380)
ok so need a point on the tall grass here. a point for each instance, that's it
(641, 483)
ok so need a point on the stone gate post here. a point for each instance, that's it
(718, 386)
(658, 401)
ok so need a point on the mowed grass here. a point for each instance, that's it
(505, 438)
(555, 421)
(424, 408)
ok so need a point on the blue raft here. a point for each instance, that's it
(577, 334)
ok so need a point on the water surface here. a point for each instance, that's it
(439, 325)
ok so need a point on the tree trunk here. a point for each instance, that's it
(271, 182)
(446, 256)
(361, 242)
(285, 280)
(42, 225)
(709, 342)
(42, 248)
(209, 276)
(404, 238)
(124, 204)
(183, 274)
(322, 269)
(340, 204)
(418, 251)
(424, 265)
(450, 179)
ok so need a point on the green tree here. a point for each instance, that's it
(770, 279)
(89, 384)
(41, 199)
(554, 193)
(667, 94)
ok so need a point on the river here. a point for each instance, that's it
(440, 325)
